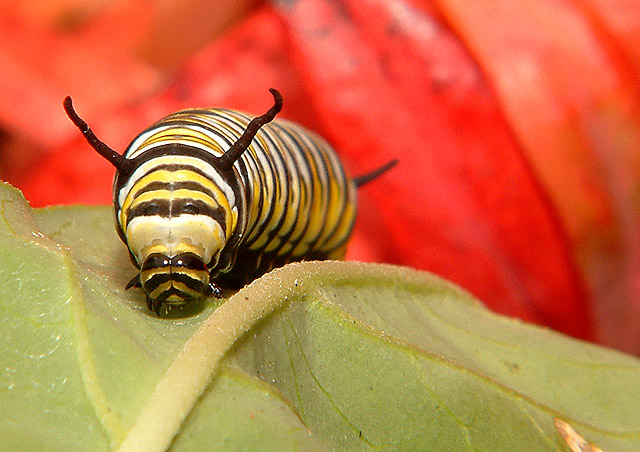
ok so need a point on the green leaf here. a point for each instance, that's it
(311, 357)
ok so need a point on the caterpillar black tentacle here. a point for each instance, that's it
(209, 198)
(121, 164)
(359, 181)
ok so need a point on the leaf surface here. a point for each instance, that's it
(313, 356)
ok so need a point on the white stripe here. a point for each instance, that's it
(133, 147)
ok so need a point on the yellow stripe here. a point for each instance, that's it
(131, 195)
(285, 248)
(343, 231)
(166, 286)
(318, 208)
(234, 223)
(302, 213)
(150, 273)
(190, 272)
(156, 248)
(338, 253)
(149, 196)
(273, 244)
(180, 286)
(183, 134)
(193, 194)
(335, 211)
(291, 211)
(301, 250)
(160, 289)
(206, 120)
(188, 247)
(146, 275)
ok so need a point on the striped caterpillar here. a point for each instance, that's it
(209, 198)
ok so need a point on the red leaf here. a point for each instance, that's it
(570, 93)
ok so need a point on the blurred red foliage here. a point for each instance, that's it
(517, 126)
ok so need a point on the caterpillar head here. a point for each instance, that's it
(173, 280)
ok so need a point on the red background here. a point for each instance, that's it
(517, 125)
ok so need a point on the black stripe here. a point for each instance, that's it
(189, 261)
(155, 281)
(177, 149)
(186, 185)
(159, 207)
(171, 167)
(178, 206)
(158, 279)
(244, 198)
(162, 298)
(192, 283)
(255, 190)
(155, 260)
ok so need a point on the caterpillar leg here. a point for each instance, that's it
(214, 290)
(154, 305)
(135, 282)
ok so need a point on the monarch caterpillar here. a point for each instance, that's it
(209, 198)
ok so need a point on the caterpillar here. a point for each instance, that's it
(207, 199)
